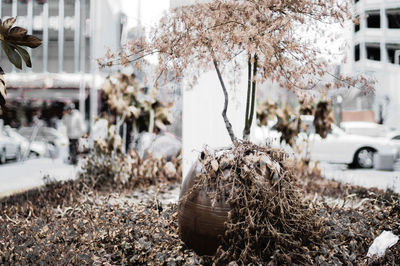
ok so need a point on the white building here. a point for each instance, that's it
(375, 51)
(74, 33)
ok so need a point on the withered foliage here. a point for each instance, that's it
(289, 119)
(88, 229)
(106, 169)
(59, 224)
(323, 118)
(141, 106)
(266, 111)
(289, 124)
(269, 219)
(354, 217)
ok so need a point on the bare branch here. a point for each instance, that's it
(225, 117)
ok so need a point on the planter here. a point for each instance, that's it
(200, 225)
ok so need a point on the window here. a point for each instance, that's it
(357, 24)
(373, 19)
(373, 51)
(357, 52)
(393, 17)
(391, 48)
(396, 137)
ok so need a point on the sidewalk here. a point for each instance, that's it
(363, 177)
(21, 176)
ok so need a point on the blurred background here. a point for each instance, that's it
(77, 32)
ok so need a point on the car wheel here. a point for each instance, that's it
(33, 155)
(364, 158)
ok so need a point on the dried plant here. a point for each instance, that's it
(108, 169)
(210, 35)
(267, 210)
(60, 224)
(289, 119)
(140, 106)
(266, 111)
(323, 118)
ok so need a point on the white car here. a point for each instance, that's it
(33, 149)
(370, 129)
(9, 149)
(394, 137)
(338, 146)
(341, 147)
(54, 140)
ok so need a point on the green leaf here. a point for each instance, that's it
(12, 55)
(25, 55)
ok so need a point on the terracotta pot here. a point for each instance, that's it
(200, 224)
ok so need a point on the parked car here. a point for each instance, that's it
(9, 149)
(394, 137)
(341, 147)
(33, 149)
(47, 134)
(370, 129)
(337, 147)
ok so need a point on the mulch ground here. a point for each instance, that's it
(61, 224)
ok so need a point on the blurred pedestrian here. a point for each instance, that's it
(76, 128)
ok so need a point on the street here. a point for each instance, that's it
(21, 176)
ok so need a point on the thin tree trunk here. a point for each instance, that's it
(253, 95)
(246, 121)
(228, 124)
(250, 104)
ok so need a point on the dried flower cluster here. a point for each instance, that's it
(124, 97)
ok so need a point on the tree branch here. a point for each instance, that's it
(228, 124)
(253, 96)
(246, 121)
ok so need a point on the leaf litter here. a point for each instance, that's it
(70, 223)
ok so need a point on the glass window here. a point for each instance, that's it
(373, 19)
(393, 17)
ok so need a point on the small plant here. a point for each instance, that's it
(138, 105)
(13, 40)
(107, 169)
(289, 121)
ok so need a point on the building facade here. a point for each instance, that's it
(74, 33)
(375, 51)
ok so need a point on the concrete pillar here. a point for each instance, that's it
(202, 122)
